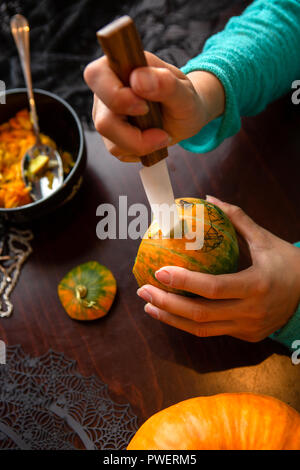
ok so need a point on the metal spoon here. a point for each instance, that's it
(42, 186)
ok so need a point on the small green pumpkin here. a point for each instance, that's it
(87, 291)
(219, 254)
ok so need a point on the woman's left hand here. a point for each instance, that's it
(249, 305)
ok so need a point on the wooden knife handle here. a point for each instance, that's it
(123, 47)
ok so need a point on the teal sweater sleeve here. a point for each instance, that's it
(256, 57)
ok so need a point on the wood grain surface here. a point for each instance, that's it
(146, 363)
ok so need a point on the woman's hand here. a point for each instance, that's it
(249, 305)
(188, 102)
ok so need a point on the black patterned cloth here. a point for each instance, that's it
(63, 37)
(46, 404)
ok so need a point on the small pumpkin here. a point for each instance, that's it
(87, 291)
(228, 421)
(219, 254)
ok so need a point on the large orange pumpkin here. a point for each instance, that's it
(219, 254)
(228, 421)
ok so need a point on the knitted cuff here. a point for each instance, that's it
(291, 331)
(229, 123)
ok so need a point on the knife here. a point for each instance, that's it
(121, 43)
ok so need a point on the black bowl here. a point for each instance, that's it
(59, 121)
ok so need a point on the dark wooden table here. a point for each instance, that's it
(144, 362)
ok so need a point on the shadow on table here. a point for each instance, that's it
(213, 354)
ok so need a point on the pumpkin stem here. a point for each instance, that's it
(81, 292)
(90, 304)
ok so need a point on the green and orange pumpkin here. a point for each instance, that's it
(87, 291)
(218, 255)
(228, 421)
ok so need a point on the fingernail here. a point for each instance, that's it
(144, 294)
(138, 108)
(146, 81)
(211, 198)
(151, 310)
(164, 142)
(163, 276)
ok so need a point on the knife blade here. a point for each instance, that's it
(121, 43)
(159, 191)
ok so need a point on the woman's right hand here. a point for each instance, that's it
(188, 102)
